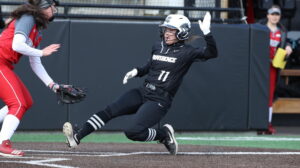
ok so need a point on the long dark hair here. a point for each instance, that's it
(32, 8)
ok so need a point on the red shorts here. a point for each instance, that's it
(13, 92)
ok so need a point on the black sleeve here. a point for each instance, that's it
(210, 51)
(144, 69)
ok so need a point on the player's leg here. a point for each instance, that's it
(149, 114)
(17, 98)
(272, 84)
(273, 81)
(126, 104)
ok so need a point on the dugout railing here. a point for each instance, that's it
(74, 10)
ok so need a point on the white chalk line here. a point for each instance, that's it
(38, 161)
(46, 161)
(106, 154)
(238, 139)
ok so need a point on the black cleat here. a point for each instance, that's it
(70, 134)
(170, 141)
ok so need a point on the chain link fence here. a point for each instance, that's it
(138, 9)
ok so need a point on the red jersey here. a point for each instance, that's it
(275, 38)
(6, 38)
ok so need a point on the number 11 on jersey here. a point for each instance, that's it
(163, 75)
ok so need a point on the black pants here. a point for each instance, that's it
(147, 107)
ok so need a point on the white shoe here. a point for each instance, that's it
(68, 130)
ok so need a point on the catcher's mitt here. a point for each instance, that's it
(68, 94)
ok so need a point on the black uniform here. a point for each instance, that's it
(169, 64)
(149, 103)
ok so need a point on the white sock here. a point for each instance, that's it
(3, 113)
(270, 114)
(9, 126)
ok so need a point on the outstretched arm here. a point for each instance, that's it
(129, 75)
(39, 70)
(19, 45)
(139, 71)
(211, 48)
(144, 69)
(210, 51)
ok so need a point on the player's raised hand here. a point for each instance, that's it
(50, 49)
(130, 75)
(205, 25)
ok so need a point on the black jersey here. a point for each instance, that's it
(169, 63)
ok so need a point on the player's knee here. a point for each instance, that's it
(26, 104)
(19, 109)
(136, 134)
(19, 106)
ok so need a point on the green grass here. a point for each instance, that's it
(294, 145)
(104, 137)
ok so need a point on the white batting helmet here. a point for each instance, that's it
(180, 23)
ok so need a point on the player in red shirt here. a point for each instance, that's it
(22, 37)
(277, 39)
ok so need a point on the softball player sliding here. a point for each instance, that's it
(21, 37)
(170, 60)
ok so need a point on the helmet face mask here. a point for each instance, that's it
(180, 23)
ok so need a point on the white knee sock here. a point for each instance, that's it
(10, 124)
(3, 113)
(270, 114)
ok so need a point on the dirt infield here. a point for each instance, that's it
(92, 155)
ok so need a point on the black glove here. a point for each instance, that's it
(68, 94)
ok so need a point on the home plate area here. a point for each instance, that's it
(91, 155)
